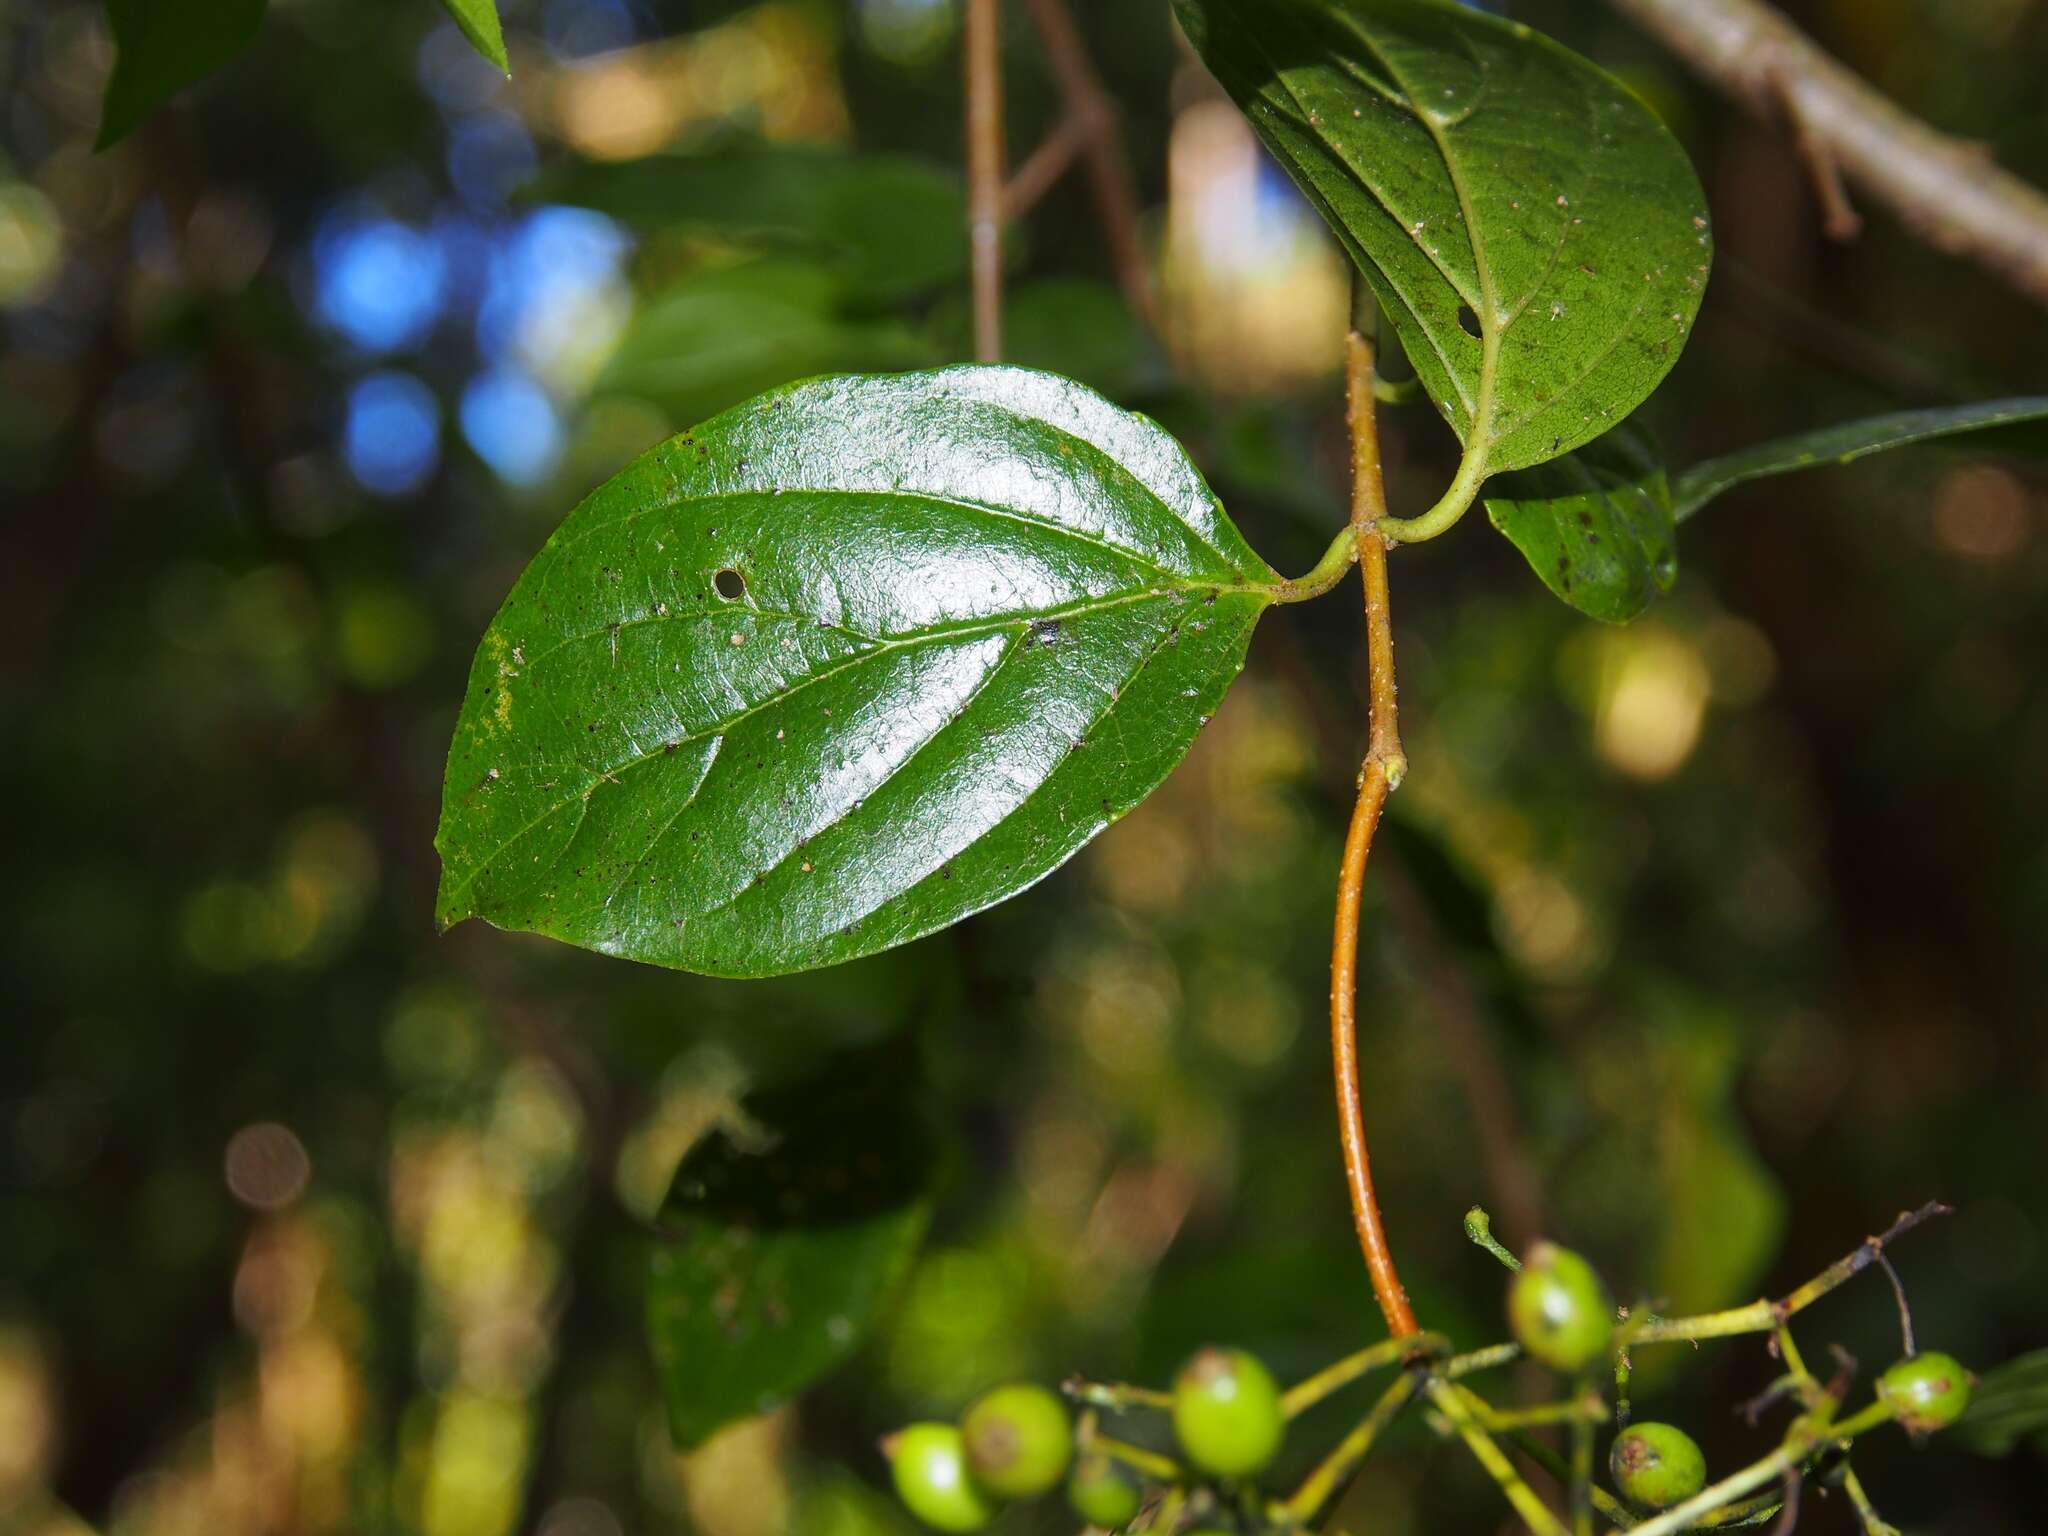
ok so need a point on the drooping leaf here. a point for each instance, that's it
(2008, 1408)
(839, 668)
(721, 336)
(782, 1239)
(1693, 488)
(160, 48)
(478, 20)
(1595, 525)
(893, 225)
(1537, 237)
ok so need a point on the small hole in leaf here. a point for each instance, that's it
(1468, 321)
(730, 585)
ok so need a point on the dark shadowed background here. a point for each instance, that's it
(311, 1220)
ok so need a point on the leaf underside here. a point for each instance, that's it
(1596, 525)
(839, 668)
(1536, 236)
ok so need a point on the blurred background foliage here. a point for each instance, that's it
(1706, 944)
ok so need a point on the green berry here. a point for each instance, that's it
(1657, 1465)
(929, 1464)
(1019, 1441)
(1226, 1412)
(1559, 1309)
(1104, 1492)
(1926, 1392)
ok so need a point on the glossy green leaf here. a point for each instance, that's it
(839, 668)
(1844, 444)
(2008, 1408)
(1595, 525)
(1536, 236)
(721, 336)
(478, 20)
(894, 226)
(160, 48)
(783, 1237)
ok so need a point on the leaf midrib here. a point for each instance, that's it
(1491, 327)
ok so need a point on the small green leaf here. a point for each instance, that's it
(2008, 1407)
(783, 1238)
(893, 226)
(839, 668)
(1537, 237)
(721, 336)
(1694, 488)
(161, 48)
(479, 22)
(1596, 525)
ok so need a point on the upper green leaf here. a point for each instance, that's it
(479, 22)
(781, 1240)
(1844, 444)
(1596, 525)
(160, 48)
(892, 224)
(839, 668)
(1535, 235)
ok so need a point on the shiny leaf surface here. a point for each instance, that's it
(782, 1238)
(839, 668)
(1595, 525)
(1844, 444)
(1537, 238)
(160, 49)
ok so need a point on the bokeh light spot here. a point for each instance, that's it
(392, 439)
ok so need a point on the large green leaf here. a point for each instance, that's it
(1844, 444)
(478, 20)
(1535, 235)
(717, 337)
(2008, 1408)
(894, 226)
(161, 47)
(782, 1239)
(1596, 525)
(841, 667)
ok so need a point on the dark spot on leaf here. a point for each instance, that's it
(730, 585)
(1468, 321)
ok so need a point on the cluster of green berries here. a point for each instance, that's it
(1562, 1316)
(1018, 1442)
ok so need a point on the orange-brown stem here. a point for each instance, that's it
(982, 45)
(1380, 775)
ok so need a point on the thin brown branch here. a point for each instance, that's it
(1947, 190)
(1383, 769)
(1109, 171)
(982, 45)
(1043, 168)
(1839, 217)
